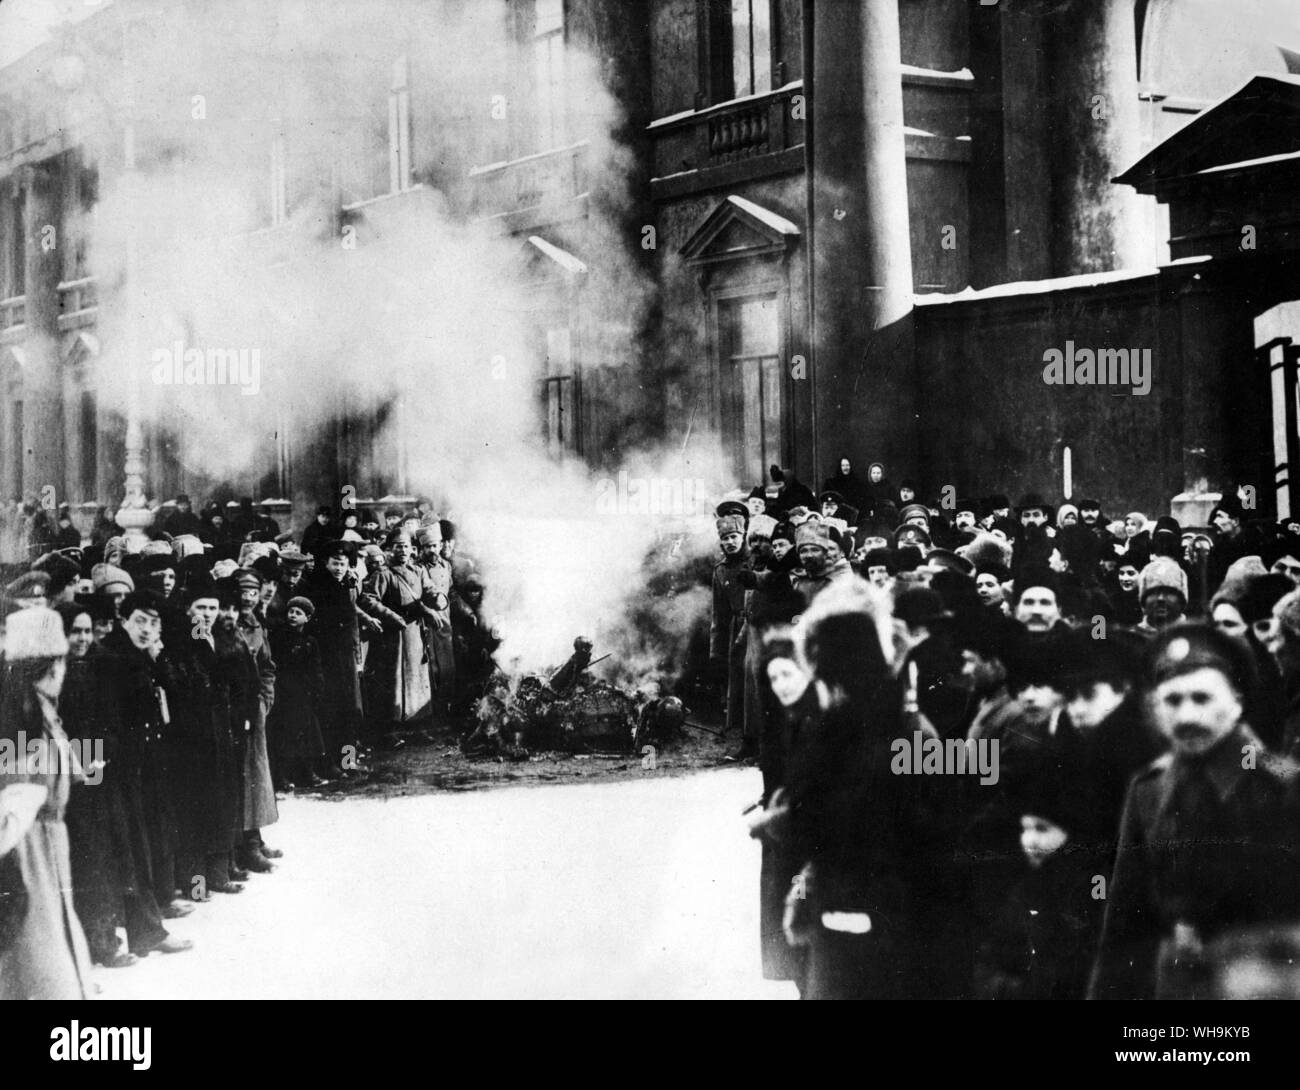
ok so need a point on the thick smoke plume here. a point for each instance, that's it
(424, 316)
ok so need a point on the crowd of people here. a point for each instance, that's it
(1014, 751)
(1008, 751)
(154, 703)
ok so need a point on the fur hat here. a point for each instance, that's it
(223, 569)
(28, 585)
(729, 524)
(840, 638)
(1236, 581)
(157, 548)
(305, 604)
(158, 562)
(428, 535)
(987, 551)
(35, 633)
(920, 606)
(1287, 611)
(944, 560)
(1162, 572)
(252, 550)
(880, 558)
(108, 578)
(187, 545)
(762, 525)
(1262, 593)
(811, 533)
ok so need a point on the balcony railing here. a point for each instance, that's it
(13, 311)
(544, 178)
(78, 295)
(741, 129)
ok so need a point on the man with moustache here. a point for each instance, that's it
(1206, 838)
(1036, 606)
(816, 570)
(727, 626)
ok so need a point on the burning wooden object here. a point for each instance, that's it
(572, 712)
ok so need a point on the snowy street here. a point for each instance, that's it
(639, 889)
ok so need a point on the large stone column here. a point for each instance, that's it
(1095, 135)
(43, 438)
(865, 383)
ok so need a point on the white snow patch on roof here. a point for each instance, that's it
(561, 257)
(1042, 287)
(915, 70)
(777, 223)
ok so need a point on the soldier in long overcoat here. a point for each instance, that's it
(259, 789)
(400, 595)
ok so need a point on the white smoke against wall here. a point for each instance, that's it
(427, 311)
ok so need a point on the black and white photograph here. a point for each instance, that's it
(650, 500)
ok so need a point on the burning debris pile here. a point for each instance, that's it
(572, 712)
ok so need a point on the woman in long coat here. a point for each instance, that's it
(860, 829)
(397, 668)
(43, 952)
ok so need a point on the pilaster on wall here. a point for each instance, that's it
(864, 373)
(1095, 135)
(43, 461)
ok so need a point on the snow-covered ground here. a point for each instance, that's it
(640, 889)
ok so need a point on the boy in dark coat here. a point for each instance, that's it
(1041, 937)
(299, 689)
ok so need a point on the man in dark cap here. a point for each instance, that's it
(727, 624)
(30, 590)
(1206, 840)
